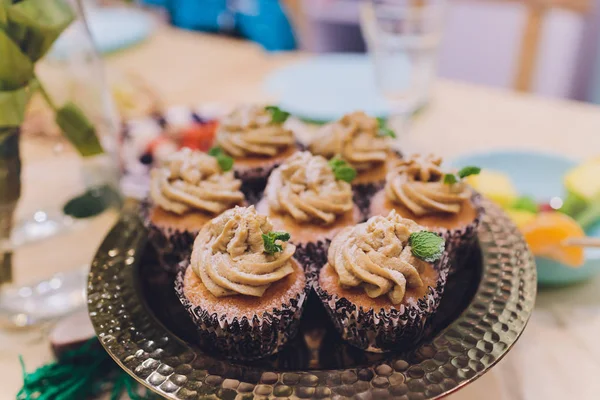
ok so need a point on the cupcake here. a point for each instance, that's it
(189, 190)
(242, 286)
(258, 141)
(383, 282)
(362, 141)
(418, 189)
(311, 199)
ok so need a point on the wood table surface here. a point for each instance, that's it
(558, 356)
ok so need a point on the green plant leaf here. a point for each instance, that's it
(16, 70)
(13, 105)
(450, 179)
(278, 116)
(468, 171)
(78, 130)
(525, 203)
(384, 130)
(270, 241)
(225, 162)
(427, 246)
(342, 170)
(36, 24)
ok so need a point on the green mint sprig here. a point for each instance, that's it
(451, 179)
(525, 203)
(427, 246)
(225, 162)
(342, 170)
(384, 130)
(278, 116)
(270, 241)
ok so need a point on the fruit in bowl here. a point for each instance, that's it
(553, 201)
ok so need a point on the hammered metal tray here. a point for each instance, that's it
(141, 324)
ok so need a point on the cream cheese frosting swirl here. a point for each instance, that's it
(229, 255)
(376, 256)
(355, 138)
(249, 131)
(305, 187)
(418, 184)
(193, 181)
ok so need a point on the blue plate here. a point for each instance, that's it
(326, 87)
(539, 175)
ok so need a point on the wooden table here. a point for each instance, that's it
(558, 355)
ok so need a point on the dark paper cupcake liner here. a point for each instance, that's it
(382, 331)
(245, 339)
(171, 245)
(460, 242)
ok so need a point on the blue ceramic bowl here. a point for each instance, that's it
(539, 175)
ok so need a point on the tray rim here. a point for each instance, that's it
(129, 235)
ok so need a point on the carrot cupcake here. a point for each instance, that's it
(312, 199)
(242, 286)
(418, 189)
(185, 193)
(258, 141)
(364, 142)
(383, 281)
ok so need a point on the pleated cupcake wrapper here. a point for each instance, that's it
(461, 242)
(245, 339)
(382, 331)
(171, 245)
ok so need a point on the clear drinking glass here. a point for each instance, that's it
(403, 38)
(63, 203)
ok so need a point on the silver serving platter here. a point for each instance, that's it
(139, 322)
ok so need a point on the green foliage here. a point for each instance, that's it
(225, 162)
(278, 116)
(342, 170)
(427, 246)
(78, 129)
(384, 130)
(468, 171)
(270, 241)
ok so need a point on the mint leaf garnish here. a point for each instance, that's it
(225, 162)
(215, 151)
(468, 171)
(278, 116)
(525, 203)
(342, 170)
(450, 179)
(270, 241)
(384, 130)
(427, 246)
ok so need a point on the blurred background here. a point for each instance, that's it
(510, 85)
(548, 47)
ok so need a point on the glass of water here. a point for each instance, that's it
(403, 38)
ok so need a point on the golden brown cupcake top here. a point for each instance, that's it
(238, 253)
(305, 187)
(376, 255)
(417, 183)
(253, 131)
(194, 181)
(355, 138)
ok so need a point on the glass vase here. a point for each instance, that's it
(57, 201)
